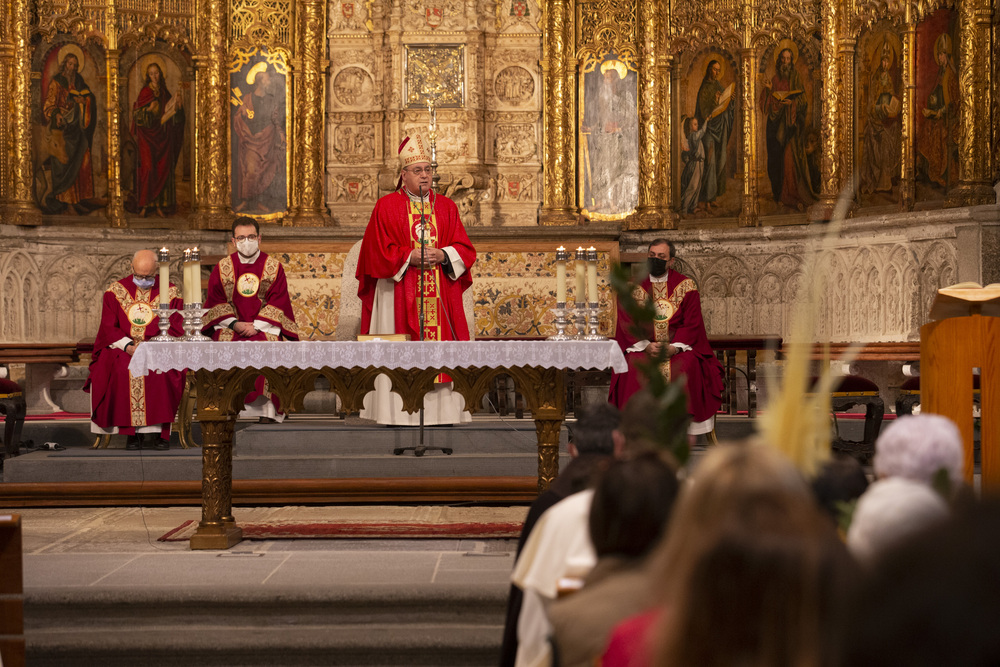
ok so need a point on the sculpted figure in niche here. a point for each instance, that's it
(259, 132)
(715, 112)
(69, 110)
(158, 129)
(353, 87)
(937, 138)
(784, 106)
(882, 134)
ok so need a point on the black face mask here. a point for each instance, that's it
(657, 266)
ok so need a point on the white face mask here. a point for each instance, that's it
(246, 247)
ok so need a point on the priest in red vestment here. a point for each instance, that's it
(141, 407)
(415, 234)
(678, 326)
(248, 300)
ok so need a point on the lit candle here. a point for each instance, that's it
(164, 259)
(592, 274)
(196, 275)
(580, 274)
(187, 276)
(561, 257)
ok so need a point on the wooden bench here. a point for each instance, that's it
(42, 362)
(12, 649)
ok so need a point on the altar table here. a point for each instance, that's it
(225, 373)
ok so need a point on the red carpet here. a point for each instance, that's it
(290, 530)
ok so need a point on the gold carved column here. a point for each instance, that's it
(834, 54)
(6, 69)
(115, 211)
(974, 81)
(654, 94)
(308, 71)
(559, 115)
(21, 208)
(750, 205)
(907, 183)
(212, 145)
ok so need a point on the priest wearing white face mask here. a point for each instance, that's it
(141, 407)
(248, 300)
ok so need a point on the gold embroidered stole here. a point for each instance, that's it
(432, 288)
(666, 303)
(137, 386)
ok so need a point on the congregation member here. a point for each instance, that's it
(412, 272)
(248, 300)
(559, 547)
(678, 332)
(591, 448)
(141, 407)
(750, 572)
(629, 514)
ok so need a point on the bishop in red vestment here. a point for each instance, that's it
(141, 407)
(248, 300)
(678, 325)
(415, 235)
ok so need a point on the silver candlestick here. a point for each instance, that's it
(580, 319)
(592, 324)
(193, 312)
(561, 322)
(164, 324)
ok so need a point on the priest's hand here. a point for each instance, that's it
(245, 329)
(130, 349)
(429, 257)
(653, 348)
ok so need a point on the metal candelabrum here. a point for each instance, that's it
(193, 312)
(580, 319)
(561, 322)
(592, 324)
(164, 324)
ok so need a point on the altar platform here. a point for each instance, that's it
(310, 458)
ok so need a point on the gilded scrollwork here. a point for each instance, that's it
(309, 95)
(212, 76)
(261, 22)
(560, 112)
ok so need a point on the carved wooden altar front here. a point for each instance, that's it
(226, 372)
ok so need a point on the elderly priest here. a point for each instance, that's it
(142, 407)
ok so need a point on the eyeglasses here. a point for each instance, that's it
(251, 237)
(151, 276)
(421, 170)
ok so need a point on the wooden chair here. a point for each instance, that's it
(13, 406)
(182, 423)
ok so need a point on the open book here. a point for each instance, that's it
(727, 96)
(782, 95)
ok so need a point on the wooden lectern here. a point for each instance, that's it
(965, 334)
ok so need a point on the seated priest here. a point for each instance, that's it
(141, 407)
(248, 300)
(679, 329)
(415, 240)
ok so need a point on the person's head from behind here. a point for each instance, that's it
(890, 511)
(838, 483)
(631, 505)
(731, 478)
(592, 432)
(924, 448)
(770, 589)
(643, 428)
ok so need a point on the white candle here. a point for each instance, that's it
(580, 276)
(187, 276)
(561, 257)
(164, 258)
(196, 275)
(592, 274)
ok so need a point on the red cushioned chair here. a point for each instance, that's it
(13, 407)
(909, 395)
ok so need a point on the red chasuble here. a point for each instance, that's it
(392, 234)
(678, 320)
(119, 399)
(249, 292)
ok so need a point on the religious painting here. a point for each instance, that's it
(609, 138)
(937, 100)
(708, 154)
(434, 74)
(879, 117)
(70, 129)
(788, 107)
(156, 134)
(258, 133)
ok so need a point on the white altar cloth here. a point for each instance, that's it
(220, 355)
